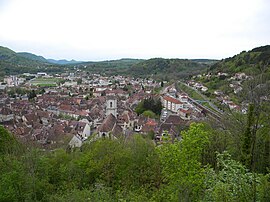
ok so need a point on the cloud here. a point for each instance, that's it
(106, 29)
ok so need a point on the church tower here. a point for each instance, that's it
(111, 105)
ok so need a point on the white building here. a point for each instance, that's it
(11, 81)
(185, 114)
(111, 106)
(76, 141)
(41, 74)
(183, 97)
(6, 114)
(172, 104)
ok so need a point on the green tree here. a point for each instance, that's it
(32, 95)
(247, 141)
(79, 81)
(152, 104)
(8, 143)
(182, 167)
(232, 182)
(149, 114)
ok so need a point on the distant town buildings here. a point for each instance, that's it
(70, 112)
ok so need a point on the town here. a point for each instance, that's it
(134, 101)
(68, 109)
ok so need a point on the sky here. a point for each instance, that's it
(92, 30)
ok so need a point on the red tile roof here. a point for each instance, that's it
(172, 100)
(187, 111)
(151, 122)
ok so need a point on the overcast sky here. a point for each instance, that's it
(113, 29)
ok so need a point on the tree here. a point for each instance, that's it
(151, 104)
(149, 114)
(182, 167)
(248, 140)
(255, 138)
(79, 81)
(232, 182)
(8, 143)
(32, 95)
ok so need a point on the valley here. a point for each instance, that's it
(114, 130)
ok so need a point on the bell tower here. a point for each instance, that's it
(111, 105)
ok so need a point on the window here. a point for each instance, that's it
(110, 104)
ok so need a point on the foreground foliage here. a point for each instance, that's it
(128, 170)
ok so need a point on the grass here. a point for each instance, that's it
(45, 82)
(47, 85)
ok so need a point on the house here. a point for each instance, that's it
(198, 85)
(96, 114)
(3, 86)
(81, 128)
(126, 120)
(76, 141)
(81, 131)
(80, 113)
(172, 104)
(204, 89)
(44, 117)
(139, 123)
(222, 74)
(218, 92)
(175, 120)
(240, 76)
(233, 106)
(109, 128)
(166, 132)
(11, 81)
(117, 92)
(30, 119)
(183, 97)
(149, 126)
(98, 93)
(191, 83)
(185, 114)
(6, 114)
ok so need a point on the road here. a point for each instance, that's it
(165, 89)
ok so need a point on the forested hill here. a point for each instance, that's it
(251, 62)
(171, 68)
(32, 57)
(63, 62)
(23, 58)
(14, 63)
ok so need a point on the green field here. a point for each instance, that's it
(45, 82)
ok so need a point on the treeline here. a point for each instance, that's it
(253, 62)
(14, 63)
(8, 68)
(203, 166)
(163, 69)
(150, 107)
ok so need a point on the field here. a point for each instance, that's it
(44, 82)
